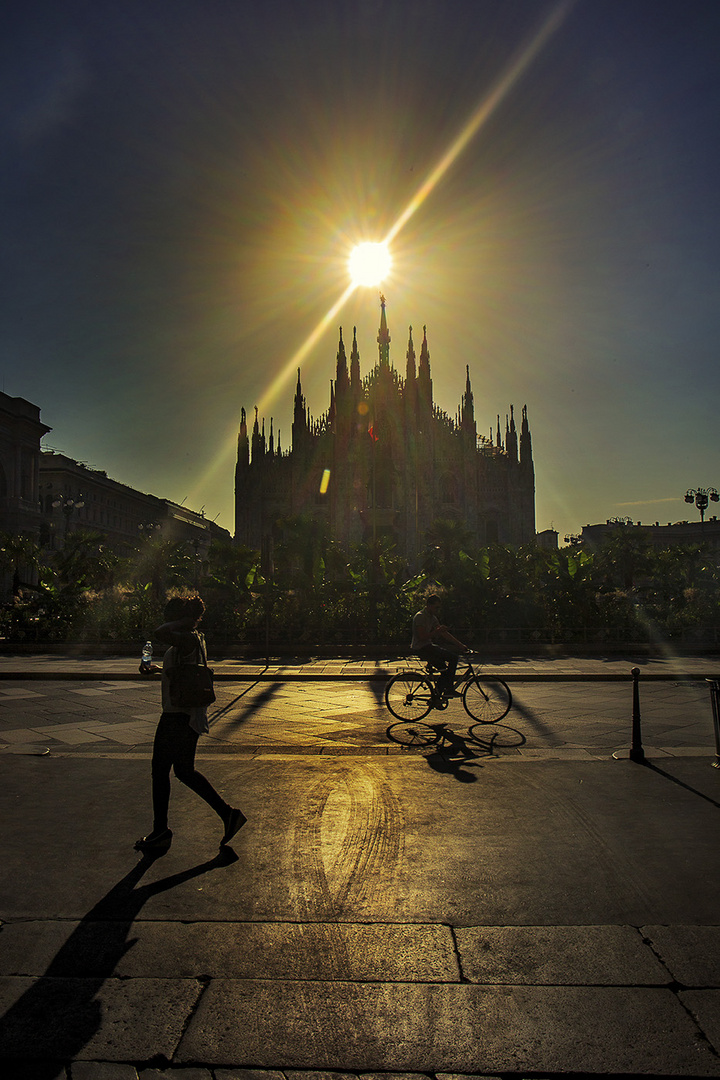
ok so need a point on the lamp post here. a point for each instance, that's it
(148, 528)
(68, 507)
(701, 497)
(151, 560)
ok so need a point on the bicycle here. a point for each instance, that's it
(411, 695)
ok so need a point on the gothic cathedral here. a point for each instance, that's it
(385, 461)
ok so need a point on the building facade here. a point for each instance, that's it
(659, 536)
(74, 496)
(20, 433)
(385, 461)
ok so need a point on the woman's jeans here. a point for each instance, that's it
(442, 658)
(174, 748)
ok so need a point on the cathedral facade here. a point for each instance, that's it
(385, 461)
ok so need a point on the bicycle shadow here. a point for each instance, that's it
(453, 756)
(493, 737)
(56, 1017)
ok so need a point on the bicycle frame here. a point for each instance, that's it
(433, 674)
(410, 695)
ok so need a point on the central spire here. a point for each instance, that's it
(383, 336)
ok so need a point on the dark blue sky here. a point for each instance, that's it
(181, 183)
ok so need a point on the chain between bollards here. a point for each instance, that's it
(636, 750)
(715, 702)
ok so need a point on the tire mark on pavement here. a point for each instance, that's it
(348, 843)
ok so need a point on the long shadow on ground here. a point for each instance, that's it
(59, 1014)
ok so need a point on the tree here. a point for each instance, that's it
(86, 561)
(19, 555)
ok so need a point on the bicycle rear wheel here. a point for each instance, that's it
(487, 699)
(409, 696)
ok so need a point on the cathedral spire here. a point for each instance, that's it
(299, 410)
(342, 381)
(258, 440)
(243, 443)
(410, 371)
(525, 441)
(511, 441)
(355, 364)
(468, 407)
(425, 390)
(410, 391)
(300, 419)
(383, 336)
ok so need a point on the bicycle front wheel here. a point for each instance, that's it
(409, 696)
(487, 700)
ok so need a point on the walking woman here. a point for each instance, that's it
(178, 731)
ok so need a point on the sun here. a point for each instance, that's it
(369, 263)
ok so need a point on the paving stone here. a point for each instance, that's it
(94, 1019)
(705, 1007)
(88, 691)
(253, 1074)
(231, 950)
(23, 1069)
(691, 953)
(557, 956)
(463, 1076)
(310, 1074)
(463, 1028)
(103, 1070)
(20, 735)
(175, 1074)
(395, 1076)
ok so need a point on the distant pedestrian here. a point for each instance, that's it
(178, 731)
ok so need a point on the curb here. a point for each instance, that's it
(380, 676)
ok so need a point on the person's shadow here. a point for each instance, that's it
(59, 1014)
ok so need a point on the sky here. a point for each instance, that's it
(182, 182)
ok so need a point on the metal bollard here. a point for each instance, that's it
(715, 702)
(636, 750)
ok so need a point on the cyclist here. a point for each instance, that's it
(426, 631)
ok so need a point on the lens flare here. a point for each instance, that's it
(369, 263)
(480, 116)
(483, 112)
(489, 104)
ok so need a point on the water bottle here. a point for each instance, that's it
(146, 661)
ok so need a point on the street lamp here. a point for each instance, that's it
(148, 529)
(68, 507)
(701, 497)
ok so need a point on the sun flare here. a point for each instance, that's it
(369, 264)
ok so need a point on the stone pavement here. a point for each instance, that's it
(565, 708)
(463, 910)
(668, 666)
